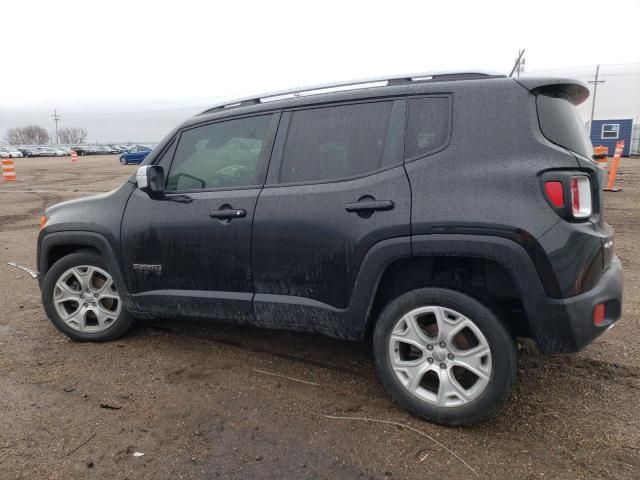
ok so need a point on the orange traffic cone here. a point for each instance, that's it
(74, 156)
(614, 167)
(8, 170)
(600, 154)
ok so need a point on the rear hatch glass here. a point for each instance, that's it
(560, 123)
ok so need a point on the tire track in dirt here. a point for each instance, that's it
(46, 199)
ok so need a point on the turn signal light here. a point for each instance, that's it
(43, 221)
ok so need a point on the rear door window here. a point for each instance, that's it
(330, 143)
(429, 120)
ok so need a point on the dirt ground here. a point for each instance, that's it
(201, 400)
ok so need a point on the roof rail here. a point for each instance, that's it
(385, 81)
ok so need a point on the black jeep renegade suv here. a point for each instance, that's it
(436, 216)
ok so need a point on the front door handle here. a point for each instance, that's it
(369, 205)
(228, 213)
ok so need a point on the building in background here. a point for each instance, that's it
(608, 132)
(635, 139)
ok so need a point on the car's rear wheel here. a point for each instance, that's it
(444, 356)
(123, 161)
(82, 300)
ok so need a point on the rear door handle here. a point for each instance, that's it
(369, 205)
(228, 214)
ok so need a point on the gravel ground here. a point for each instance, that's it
(202, 400)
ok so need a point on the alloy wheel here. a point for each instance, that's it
(440, 356)
(86, 299)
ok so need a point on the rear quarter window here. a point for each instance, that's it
(428, 124)
(560, 123)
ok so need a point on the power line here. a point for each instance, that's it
(97, 113)
(584, 66)
(201, 104)
(164, 102)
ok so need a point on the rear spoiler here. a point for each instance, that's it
(573, 90)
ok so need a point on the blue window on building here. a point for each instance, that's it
(610, 130)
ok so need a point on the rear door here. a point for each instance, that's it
(188, 252)
(336, 186)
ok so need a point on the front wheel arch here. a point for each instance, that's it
(56, 245)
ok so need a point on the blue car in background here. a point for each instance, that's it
(134, 155)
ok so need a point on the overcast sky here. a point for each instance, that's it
(131, 70)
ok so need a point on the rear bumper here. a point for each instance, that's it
(576, 313)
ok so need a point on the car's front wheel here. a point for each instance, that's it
(123, 161)
(82, 300)
(444, 356)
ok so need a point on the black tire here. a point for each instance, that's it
(120, 325)
(123, 161)
(501, 344)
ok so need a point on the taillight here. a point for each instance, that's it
(568, 194)
(581, 197)
(555, 192)
(599, 315)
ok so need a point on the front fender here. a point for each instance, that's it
(48, 241)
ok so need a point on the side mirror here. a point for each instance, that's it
(150, 179)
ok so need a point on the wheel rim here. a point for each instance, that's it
(86, 299)
(440, 356)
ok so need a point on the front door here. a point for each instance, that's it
(336, 187)
(188, 252)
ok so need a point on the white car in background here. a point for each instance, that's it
(10, 152)
(61, 151)
(50, 152)
(65, 150)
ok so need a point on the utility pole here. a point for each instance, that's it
(56, 118)
(520, 68)
(595, 83)
(519, 64)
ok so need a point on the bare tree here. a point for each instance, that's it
(72, 135)
(14, 136)
(29, 135)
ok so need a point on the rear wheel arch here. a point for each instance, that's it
(496, 271)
